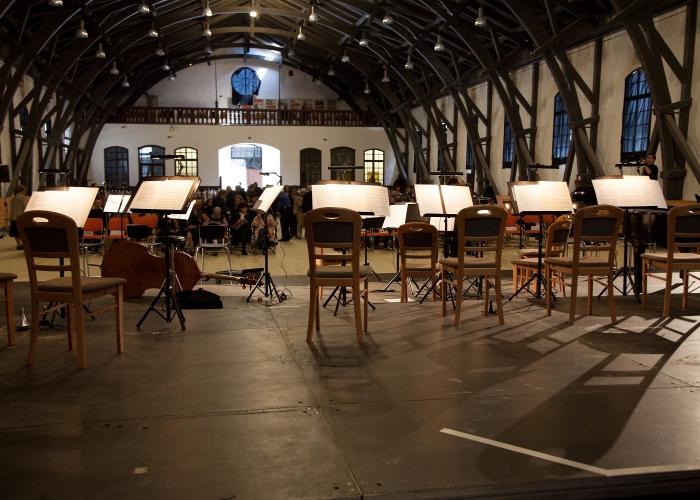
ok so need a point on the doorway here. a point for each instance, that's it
(243, 164)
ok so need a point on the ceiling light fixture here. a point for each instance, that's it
(253, 11)
(301, 35)
(153, 32)
(114, 70)
(144, 8)
(367, 91)
(206, 31)
(208, 50)
(172, 76)
(100, 53)
(409, 62)
(312, 16)
(439, 46)
(206, 11)
(166, 66)
(56, 3)
(290, 52)
(480, 20)
(81, 32)
(160, 52)
(331, 71)
(385, 78)
(125, 83)
(345, 58)
(387, 19)
(363, 41)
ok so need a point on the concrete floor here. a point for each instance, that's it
(239, 406)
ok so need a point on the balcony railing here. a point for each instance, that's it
(236, 116)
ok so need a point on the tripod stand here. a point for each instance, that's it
(265, 283)
(167, 289)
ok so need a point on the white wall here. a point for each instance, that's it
(208, 139)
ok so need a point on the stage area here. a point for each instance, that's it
(239, 406)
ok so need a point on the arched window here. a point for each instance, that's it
(342, 156)
(116, 166)
(508, 144)
(636, 117)
(148, 166)
(23, 115)
(470, 157)
(245, 84)
(374, 166)
(309, 166)
(561, 136)
(189, 164)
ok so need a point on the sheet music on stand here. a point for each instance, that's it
(629, 191)
(267, 198)
(435, 199)
(75, 202)
(165, 195)
(116, 203)
(363, 198)
(538, 197)
(186, 215)
(401, 213)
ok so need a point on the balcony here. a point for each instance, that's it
(245, 117)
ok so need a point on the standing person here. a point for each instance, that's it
(18, 205)
(284, 204)
(650, 169)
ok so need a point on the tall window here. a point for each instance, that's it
(310, 166)
(561, 138)
(116, 166)
(418, 149)
(343, 156)
(148, 166)
(443, 135)
(636, 117)
(508, 144)
(66, 142)
(374, 166)
(188, 165)
(470, 157)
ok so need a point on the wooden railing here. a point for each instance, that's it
(236, 116)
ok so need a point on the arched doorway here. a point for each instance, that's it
(244, 163)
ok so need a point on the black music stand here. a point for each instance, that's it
(165, 196)
(265, 284)
(399, 214)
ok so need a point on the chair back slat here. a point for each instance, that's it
(557, 238)
(418, 236)
(335, 234)
(596, 228)
(683, 227)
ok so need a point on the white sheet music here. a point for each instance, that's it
(75, 202)
(439, 223)
(167, 194)
(116, 203)
(184, 216)
(629, 191)
(542, 196)
(366, 198)
(267, 197)
(437, 199)
(396, 217)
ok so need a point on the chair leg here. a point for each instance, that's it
(358, 312)
(574, 290)
(611, 297)
(459, 283)
(684, 298)
(499, 298)
(10, 312)
(80, 334)
(228, 257)
(34, 335)
(119, 318)
(590, 294)
(366, 301)
(70, 325)
(548, 291)
(404, 287)
(515, 278)
(319, 300)
(433, 273)
(443, 292)
(313, 305)
(487, 286)
(645, 268)
(667, 292)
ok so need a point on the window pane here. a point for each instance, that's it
(636, 117)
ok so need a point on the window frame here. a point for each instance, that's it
(508, 144)
(159, 163)
(561, 133)
(191, 167)
(636, 117)
(310, 169)
(372, 163)
(121, 176)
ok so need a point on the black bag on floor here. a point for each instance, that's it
(198, 299)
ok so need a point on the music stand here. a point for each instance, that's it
(399, 214)
(165, 196)
(265, 283)
(539, 198)
(628, 192)
(116, 204)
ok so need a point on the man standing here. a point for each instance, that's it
(284, 205)
(650, 169)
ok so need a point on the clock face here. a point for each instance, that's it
(245, 81)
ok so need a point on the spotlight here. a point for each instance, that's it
(166, 66)
(346, 56)
(152, 33)
(206, 31)
(301, 35)
(387, 19)
(363, 41)
(312, 16)
(385, 78)
(144, 8)
(81, 32)
(114, 70)
(367, 91)
(206, 11)
(290, 52)
(331, 71)
(100, 53)
(56, 3)
(208, 50)
(160, 52)
(253, 11)
(439, 46)
(172, 76)
(409, 62)
(125, 83)
(480, 20)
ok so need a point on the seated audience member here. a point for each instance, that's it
(264, 220)
(241, 228)
(217, 217)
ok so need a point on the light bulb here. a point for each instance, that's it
(172, 76)
(290, 52)
(409, 62)
(206, 11)
(253, 11)
(81, 32)
(207, 31)
(166, 66)
(56, 3)
(312, 16)
(363, 41)
(160, 52)
(152, 33)
(144, 8)
(125, 83)
(114, 70)
(480, 20)
(345, 58)
(301, 35)
(100, 53)
(331, 71)
(367, 91)
(385, 78)
(439, 46)
(387, 19)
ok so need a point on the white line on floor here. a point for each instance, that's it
(626, 471)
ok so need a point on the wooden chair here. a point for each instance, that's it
(48, 235)
(6, 281)
(335, 228)
(596, 226)
(418, 241)
(555, 246)
(683, 233)
(483, 227)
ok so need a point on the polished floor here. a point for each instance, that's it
(240, 406)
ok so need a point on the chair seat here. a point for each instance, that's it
(340, 272)
(88, 284)
(528, 262)
(469, 262)
(7, 276)
(680, 257)
(418, 269)
(527, 252)
(583, 261)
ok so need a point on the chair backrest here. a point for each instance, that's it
(333, 227)
(481, 227)
(49, 235)
(597, 225)
(416, 237)
(683, 227)
(211, 232)
(557, 238)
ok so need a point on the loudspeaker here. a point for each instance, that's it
(5, 173)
